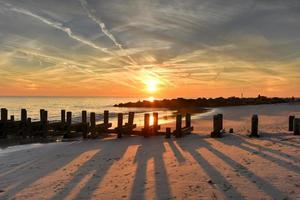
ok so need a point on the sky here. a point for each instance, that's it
(160, 48)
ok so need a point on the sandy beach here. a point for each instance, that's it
(193, 167)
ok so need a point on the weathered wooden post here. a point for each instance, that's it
(3, 132)
(23, 116)
(120, 124)
(93, 124)
(187, 120)
(254, 126)
(291, 123)
(45, 123)
(41, 115)
(296, 126)
(178, 132)
(28, 127)
(69, 123)
(130, 118)
(63, 116)
(146, 125)
(217, 125)
(155, 122)
(168, 132)
(84, 123)
(12, 118)
(3, 114)
(106, 117)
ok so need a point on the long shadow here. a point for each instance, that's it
(238, 142)
(56, 163)
(151, 149)
(274, 151)
(217, 178)
(100, 163)
(180, 158)
(267, 187)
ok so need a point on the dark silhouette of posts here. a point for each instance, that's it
(3, 114)
(254, 126)
(291, 123)
(130, 118)
(217, 126)
(63, 116)
(23, 116)
(44, 122)
(296, 126)
(120, 124)
(84, 124)
(28, 129)
(178, 132)
(12, 118)
(168, 132)
(69, 123)
(146, 125)
(106, 117)
(188, 120)
(93, 123)
(155, 122)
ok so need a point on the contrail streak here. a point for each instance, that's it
(65, 29)
(103, 28)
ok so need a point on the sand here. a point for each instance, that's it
(193, 167)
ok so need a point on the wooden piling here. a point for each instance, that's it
(23, 116)
(84, 117)
(168, 132)
(296, 126)
(291, 123)
(63, 116)
(254, 126)
(187, 120)
(41, 115)
(84, 124)
(146, 125)
(106, 117)
(12, 118)
(120, 124)
(28, 130)
(178, 125)
(155, 122)
(130, 118)
(45, 118)
(93, 123)
(3, 114)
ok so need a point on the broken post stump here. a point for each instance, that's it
(63, 116)
(120, 124)
(155, 122)
(178, 125)
(291, 123)
(130, 118)
(3, 114)
(254, 126)
(93, 124)
(106, 117)
(146, 125)
(296, 126)
(84, 124)
(168, 132)
(217, 126)
(23, 116)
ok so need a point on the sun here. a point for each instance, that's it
(151, 86)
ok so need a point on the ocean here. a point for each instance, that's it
(54, 105)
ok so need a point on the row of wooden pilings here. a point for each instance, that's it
(43, 128)
(26, 128)
(218, 130)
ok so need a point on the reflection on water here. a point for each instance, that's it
(77, 104)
